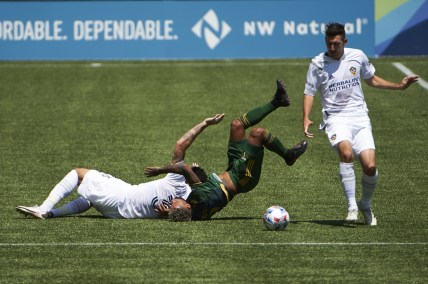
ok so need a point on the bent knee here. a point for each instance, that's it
(236, 124)
(258, 132)
(370, 170)
(81, 172)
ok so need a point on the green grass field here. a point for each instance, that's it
(122, 116)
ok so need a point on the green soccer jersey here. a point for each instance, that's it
(244, 168)
(207, 198)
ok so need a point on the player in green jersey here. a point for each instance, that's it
(245, 158)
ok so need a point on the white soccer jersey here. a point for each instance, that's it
(339, 82)
(140, 201)
(115, 198)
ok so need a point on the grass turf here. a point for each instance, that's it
(122, 116)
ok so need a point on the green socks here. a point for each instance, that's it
(256, 115)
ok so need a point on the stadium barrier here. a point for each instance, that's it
(102, 30)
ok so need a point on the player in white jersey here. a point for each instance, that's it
(336, 74)
(112, 197)
(115, 198)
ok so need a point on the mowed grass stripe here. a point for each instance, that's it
(214, 244)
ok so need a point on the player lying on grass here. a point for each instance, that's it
(245, 156)
(115, 198)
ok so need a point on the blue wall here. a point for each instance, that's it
(178, 29)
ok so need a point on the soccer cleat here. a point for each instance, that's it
(352, 216)
(281, 98)
(32, 211)
(296, 152)
(369, 218)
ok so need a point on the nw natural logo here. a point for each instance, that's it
(211, 29)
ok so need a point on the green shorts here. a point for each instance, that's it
(245, 164)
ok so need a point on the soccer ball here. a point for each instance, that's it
(276, 218)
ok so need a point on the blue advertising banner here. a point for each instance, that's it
(178, 29)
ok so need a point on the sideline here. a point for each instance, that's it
(409, 72)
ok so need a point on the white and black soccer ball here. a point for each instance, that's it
(276, 218)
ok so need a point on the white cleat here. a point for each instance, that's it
(369, 218)
(32, 211)
(352, 216)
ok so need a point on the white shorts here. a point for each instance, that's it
(104, 192)
(357, 130)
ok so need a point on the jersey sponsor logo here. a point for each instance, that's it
(244, 156)
(344, 84)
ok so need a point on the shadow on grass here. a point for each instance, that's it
(334, 223)
(235, 218)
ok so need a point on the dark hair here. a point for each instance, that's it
(334, 29)
(180, 214)
(200, 173)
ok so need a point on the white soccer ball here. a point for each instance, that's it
(276, 218)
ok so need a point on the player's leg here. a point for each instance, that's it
(257, 114)
(262, 136)
(370, 176)
(365, 149)
(75, 206)
(369, 182)
(63, 189)
(339, 131)
(347, 178)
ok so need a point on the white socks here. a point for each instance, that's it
(347, 178)
(369, 185)
(63, 189)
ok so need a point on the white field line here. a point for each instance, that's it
(208, 244)
(409, 72)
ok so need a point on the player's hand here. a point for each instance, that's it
(306, 124)
(407, 81)
(215, 119)
(152, 171)
(162, 209)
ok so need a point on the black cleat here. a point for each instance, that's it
(281, 98)
(295, 152)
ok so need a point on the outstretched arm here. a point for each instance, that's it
(187, 139)
(378, 82)
(308, 101)
(176, 168)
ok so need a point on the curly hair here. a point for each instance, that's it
(180, 214)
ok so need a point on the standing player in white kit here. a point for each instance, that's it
(114, 198)
(336, 75)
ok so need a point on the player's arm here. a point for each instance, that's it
(308, 102)
(380, 83)
(187, 139)
(176, 168)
